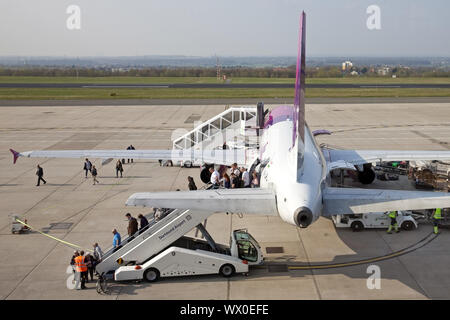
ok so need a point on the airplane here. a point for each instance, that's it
(294, 170)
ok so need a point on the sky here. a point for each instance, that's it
(410, 28)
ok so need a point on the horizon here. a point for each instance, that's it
(223, 56)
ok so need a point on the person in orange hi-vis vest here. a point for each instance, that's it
(81, 267)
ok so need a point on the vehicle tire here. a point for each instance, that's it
(188, 164)
(227, 270)
(151, 275)
(407, 225)
(357, 226)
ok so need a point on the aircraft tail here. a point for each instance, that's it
(15, 155)
(299, 102)
(298, 131)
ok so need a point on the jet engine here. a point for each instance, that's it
(367, 175)
(205, 175)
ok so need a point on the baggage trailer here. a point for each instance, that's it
(17, 227)
(427, 216)
(190, 256)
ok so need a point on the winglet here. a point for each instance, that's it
(15, 155)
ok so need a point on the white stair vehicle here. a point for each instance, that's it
(190, 256)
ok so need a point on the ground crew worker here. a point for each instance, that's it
(436, 217)
(81, 267)
(393, 215)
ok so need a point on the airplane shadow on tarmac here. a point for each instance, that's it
(407, 257)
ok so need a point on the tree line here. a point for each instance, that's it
(229, 72)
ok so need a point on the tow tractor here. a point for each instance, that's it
(190, 256)
(374, 220)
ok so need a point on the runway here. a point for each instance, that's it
(224, 86)
(71, 208)
(202, 102)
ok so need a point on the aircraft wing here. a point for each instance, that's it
(245, 200)
(358, 157)
(354, 200)
(226, 157)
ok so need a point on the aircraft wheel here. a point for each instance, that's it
(357, 226)
(227, 270)
(407, 225)
(151, 275)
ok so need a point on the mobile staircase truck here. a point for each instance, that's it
(235, 126)
(163, 250)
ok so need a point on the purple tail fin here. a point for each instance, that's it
(299, 102)
(15, 155)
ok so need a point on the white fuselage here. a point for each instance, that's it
(280, 173)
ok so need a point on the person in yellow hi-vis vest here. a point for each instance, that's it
(436, 217)
(393, 216)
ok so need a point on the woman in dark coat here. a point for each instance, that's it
(191, 184)
(119, 168)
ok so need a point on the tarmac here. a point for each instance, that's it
(71, 208)
(217, 101)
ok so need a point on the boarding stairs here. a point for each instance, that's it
(158, 235)
(231, 126)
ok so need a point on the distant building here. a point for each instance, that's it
(383, 71)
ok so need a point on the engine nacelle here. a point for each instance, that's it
(367, 176)
(205, 175)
